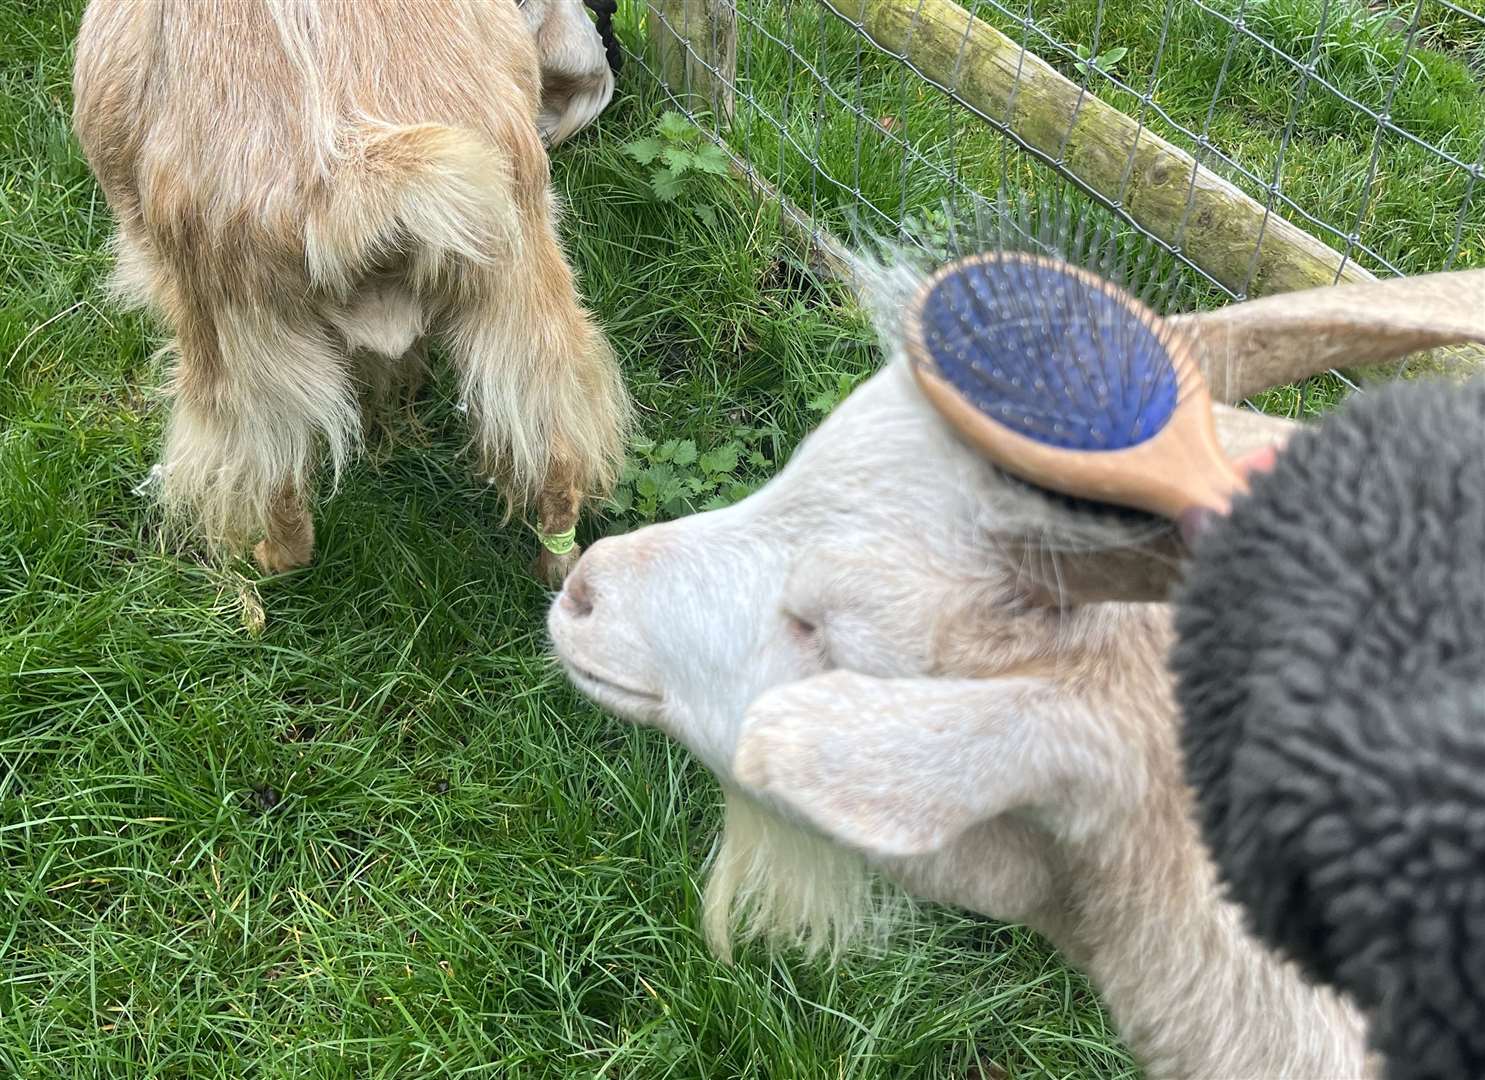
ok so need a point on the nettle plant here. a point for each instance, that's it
(674, 478)
(1104, 63)
(680, 158)
(671, 479)
(826, 400)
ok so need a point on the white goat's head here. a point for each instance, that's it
(576, 81)
(780, 629)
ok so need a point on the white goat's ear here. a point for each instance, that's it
(1277, 340)
(901, 767)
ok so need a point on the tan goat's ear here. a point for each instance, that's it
(901, 767)
(1277, 340)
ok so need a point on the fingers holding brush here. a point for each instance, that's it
(1260, 461)
(1196, 520)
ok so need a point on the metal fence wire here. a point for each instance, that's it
(1264, 145)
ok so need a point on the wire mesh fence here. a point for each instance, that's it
(1263, 145)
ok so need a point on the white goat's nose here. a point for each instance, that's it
(606, 574)
(577, 591)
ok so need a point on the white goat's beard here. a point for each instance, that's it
(772, 879)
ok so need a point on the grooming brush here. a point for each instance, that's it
(1065, 380)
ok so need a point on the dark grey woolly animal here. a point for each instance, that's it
(1331, 669)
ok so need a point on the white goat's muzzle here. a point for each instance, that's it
(600, 651)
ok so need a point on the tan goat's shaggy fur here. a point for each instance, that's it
(304, 190)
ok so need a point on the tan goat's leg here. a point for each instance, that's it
(258, 399)
(557, 509)
(290, 540)
(546, 402)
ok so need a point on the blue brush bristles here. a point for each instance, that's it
(1050, 353)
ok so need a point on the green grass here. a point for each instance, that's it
(861, 142)
(383, 838)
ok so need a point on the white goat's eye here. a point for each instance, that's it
(804, 630)
(807, 639)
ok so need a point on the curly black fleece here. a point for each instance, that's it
(603, 17)
(1331, 669)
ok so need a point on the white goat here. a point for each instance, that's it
(865, 656)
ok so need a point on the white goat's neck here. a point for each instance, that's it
(1137, 905)
(1191, 991)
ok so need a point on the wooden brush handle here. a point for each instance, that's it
(1181, 468)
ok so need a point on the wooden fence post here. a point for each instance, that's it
(694, 46)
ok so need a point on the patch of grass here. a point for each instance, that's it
(863, 144)
(1455, 28)
(829, 116)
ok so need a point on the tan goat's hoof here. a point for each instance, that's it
(552, 570)
(275, 558)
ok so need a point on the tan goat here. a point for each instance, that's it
(882, 679)
(305, 190)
